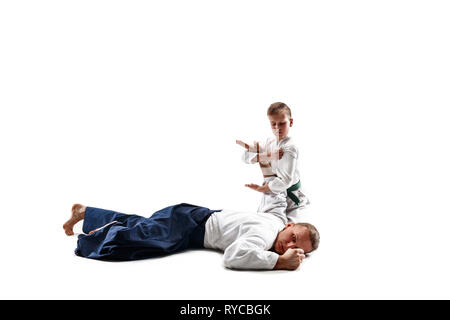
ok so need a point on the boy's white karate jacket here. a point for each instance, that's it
(285, 168)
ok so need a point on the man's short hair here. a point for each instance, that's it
(314, 235)
(279, 107)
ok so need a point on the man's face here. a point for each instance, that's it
(280, 124)
(292, 236)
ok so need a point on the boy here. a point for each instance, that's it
(277, 158)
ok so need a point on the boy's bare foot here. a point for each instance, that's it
(77, 215)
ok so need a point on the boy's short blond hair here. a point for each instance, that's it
(279, 107)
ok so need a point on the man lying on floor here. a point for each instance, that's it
(249, 240)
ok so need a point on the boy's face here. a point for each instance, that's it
(280, 124)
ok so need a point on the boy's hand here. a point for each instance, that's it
(265, 188)
(243, 144)
(280, 153)
(254, 148)
(275, 155)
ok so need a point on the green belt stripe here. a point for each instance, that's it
(293, 196)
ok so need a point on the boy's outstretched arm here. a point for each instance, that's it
(251, 153)
(254, 148)
(264, 188)
(261, 156)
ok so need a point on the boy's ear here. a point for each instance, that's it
(291, 122)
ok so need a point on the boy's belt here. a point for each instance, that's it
(270, 175)
(291, 194)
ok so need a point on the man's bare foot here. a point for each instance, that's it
(77, 215)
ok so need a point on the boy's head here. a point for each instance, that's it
(280, 118)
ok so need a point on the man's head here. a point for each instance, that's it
(297, 235)
(280, 119)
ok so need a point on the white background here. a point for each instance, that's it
(135, 105)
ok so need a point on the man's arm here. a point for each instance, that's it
(249, 253)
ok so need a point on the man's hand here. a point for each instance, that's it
(265, 188)
(290, 260)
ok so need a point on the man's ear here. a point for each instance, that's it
(291, 122)
(290, 224)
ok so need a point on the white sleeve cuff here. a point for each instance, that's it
(277, 186)
(248, 156)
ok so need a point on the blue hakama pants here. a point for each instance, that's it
(132, 237)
